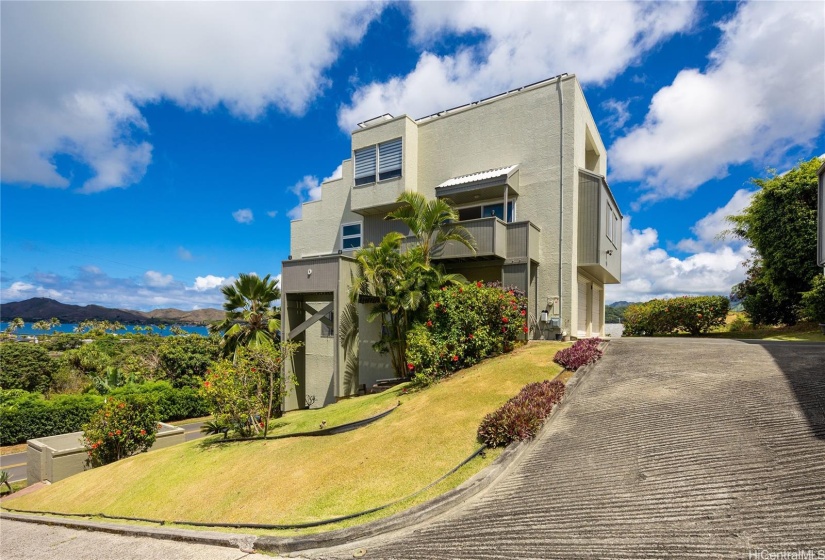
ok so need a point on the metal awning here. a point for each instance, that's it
(480, 185)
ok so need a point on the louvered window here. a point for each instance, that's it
(389, 159)
(365, 160)
(375, 163)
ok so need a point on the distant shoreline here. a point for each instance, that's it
(68, 328)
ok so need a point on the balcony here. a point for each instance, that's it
(495, 240)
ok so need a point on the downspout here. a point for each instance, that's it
(561, 198)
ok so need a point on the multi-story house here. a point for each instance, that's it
(525, 170)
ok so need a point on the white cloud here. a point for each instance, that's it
(209, 282)
(761, 94)
(648, 271)
(157, 279)
(184, 254)
(243, 216)
(271, 213)
(90, 285)
(709, 230)
(522, 44)
(619, 113)
(309, 189)
(76, 74)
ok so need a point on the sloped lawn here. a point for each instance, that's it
(305, 479)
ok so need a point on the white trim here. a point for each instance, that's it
(489, 202)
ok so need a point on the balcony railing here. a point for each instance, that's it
(494, 240)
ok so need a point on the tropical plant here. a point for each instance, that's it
(463, 325)
(813, 301)
(385, 281)
(250, 321)
(120, 429)
(4, 479)
(348, 338)
(14, 324)
(780, 224)
(432, 222)
(110, 379)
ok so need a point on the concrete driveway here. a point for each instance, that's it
(670, 448)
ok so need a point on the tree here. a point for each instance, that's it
(432, 222)
(25, 366)
(14, 324)
(780, 224)
(250, 321)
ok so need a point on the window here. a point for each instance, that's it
(382, 161)
(611, 225)
(327, 331)
(487, 211)
(351, 236)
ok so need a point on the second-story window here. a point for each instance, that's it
(378, 162)
(612, 225)
(351, 236)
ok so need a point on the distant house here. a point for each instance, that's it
(526, 171)
(820, 238)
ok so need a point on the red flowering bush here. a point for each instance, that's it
(120, 429)
(695, 315)
(462, 326)
(521, 417)
(583, 352)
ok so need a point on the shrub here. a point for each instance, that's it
(813, 301)
(583, 352)
(522, 416)
(185, 359)
(739, 324)
(25, 415)
(25, 366)
(463, 325)
(695, 315)
(120, 429)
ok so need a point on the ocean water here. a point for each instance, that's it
(69, 328)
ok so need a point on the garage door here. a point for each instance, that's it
(596, 312)
(583, 295)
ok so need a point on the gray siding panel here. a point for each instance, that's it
(589, 213)
(376, 227)
(515, 275)
(517, 236)
(296, 276)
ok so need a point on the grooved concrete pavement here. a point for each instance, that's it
(670, 448)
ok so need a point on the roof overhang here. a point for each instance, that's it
(480, 185)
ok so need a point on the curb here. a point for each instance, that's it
(402, 520)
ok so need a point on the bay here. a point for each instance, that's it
(69, 328)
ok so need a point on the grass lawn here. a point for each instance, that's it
(804, 331)
(305, 479)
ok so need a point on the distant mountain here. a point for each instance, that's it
(614, 312)
(37, 309)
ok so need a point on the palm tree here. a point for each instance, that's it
(432, 222)
(388, 280)
(251, 320)
(14, 324)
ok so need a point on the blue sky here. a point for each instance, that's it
(152, 151)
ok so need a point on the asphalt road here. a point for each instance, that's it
(670, 448)
(15, 463)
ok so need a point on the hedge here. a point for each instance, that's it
(25, 415)
(694, 315)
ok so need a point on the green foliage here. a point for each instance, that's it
(62, 341)
(780, 224)
(250, 321)
(110, 379)
(184, 360)
(25, 415)
(614, 314)
(433, 223)
(88, 359)
(120, 429)
(461, 326)
(739, 324)
(4, 479)
(241, 393)
(521, 417)
(813, 301)
(14, 324)
(25, 366)
(694, 315)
